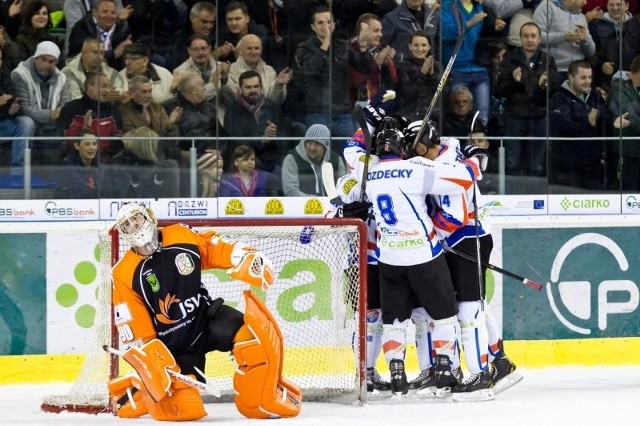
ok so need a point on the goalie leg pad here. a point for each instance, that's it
(261, 392)
(184, 403)
(152, 362)
(126, 393)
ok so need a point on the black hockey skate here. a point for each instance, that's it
(478, 387)
(376, 382)
(503, 372)
(446, 377)
(399, 384)
(426, 379)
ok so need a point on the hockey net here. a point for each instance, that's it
(320, 268)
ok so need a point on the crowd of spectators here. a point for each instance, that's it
(265, 91)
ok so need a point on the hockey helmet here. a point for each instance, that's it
(389, 138)
(429, 137)
(139, 227)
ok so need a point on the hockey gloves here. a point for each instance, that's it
(379, 107)
(252, 267)
(481, 154)
(358, 209)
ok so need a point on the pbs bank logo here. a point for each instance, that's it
(581, 304)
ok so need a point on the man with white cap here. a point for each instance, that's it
(302, 166)
(39, 85)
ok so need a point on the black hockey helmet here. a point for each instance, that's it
(429, 137)
(389, 137)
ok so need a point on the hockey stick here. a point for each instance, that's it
(525, 281)
(203, 387)
(475, 222)
(367, 139)
(440, 87)
(328, 181)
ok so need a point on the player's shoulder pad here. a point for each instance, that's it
(346, 184)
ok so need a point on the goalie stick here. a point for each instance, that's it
(525, 281)
(207, 386)
(440, 87)
(328, 181)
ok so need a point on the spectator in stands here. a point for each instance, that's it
(102, 23)
(457, 120)
(418, 77)
(140, 170)
(564, 33)
(301, 168)
(91, 60)
(347, 13)
(198, 119)
(11, 122)
(578, 110)
(39, 86)
(410, 16)
(624, 104)
(382, 74)
(142, 111)
(202, 20)
(458, 17)
(238, 24)
(524, 79)
(35, 29)
(201, 60)
(10, 16)
(76, 10)
(595, 8)
(79, 176)
(9, 51)
(322, 62)
(497, 51)
(245, 180)
(137, 61)
(607, 32)
(253, 115)
(91, 111)
(274, 86)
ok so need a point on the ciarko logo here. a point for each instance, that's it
(575, 296)
(68, 295)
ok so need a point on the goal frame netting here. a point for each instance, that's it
(89, 394)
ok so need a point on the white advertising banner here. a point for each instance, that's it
(73, 277)
(580, 204)
(514, 205)
(48, 210)
(630, 203)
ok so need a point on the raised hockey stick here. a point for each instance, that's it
(440, 87)
(525, 281)
(207, 386)
(475, 222)
(328, 181)
(367, 139)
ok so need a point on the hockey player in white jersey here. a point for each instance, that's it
(451, 226)
(348, 190)
(410, 263)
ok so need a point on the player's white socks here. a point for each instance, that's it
(424, 346)
(394, 340)
(444, 339)
(474, 336)
(374, 336)
(494, 334)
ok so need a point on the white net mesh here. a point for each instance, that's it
(313, 299)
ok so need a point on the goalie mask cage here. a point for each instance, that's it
(320, 283)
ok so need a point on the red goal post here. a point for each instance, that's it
(319, 289)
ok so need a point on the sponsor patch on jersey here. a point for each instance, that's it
(121, 313)
(185, 264)
(348, 185)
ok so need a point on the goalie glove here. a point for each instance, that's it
(481, 154)
(251, 266)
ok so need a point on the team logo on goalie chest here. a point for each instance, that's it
(185, 264)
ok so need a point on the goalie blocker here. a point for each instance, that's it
(161, 276)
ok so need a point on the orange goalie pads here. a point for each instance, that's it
(126, 394)
(261, 391)
(151, 362)
(183, 403)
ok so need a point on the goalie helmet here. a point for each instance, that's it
(430, 136)
(139, 227)
(389, 138)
